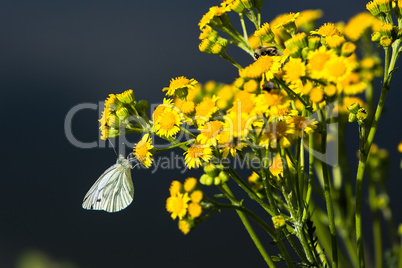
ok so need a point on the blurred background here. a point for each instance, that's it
(57, 54)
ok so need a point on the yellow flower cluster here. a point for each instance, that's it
(118, 108)
(185, 203)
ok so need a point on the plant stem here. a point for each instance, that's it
(248, 227)
(247, 189)
(327, 190)
(376, 225)
(388, 67)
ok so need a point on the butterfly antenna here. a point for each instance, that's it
(132, 159)
(112, 147)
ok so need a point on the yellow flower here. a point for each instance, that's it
(276, 167)
(303, 125)
(265, 33)
(336, 69)
(209, 131)
(317, 60)
(197, 196)
(288, 22)
(195, 153)
(308, 18)
(228, 145)
(158, 112)
(335, 41)
(251, 86)
(190, 184)
(186, 107)
(212, 17)
(205, 32)
(169, 122)
(359, 25)
(267, 100)
(185, 226)
(177, 205)
(179, 83)
(205, 109)
(317, 95)
(275, 132)
(244, 103)
(142, 151)
(194, 210)
(264, 65)
(377, 6)
(294, 70)
(328, 29)
(175, 188)
(352, 84)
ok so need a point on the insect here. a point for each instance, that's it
(263, 51)
(114, 190)
(268, 86)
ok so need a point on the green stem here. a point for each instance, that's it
(181, 144)
(243, 26)
(327, 190)
(231, 60)
(248, 227)
(274, 208)
(389, 65)
(293, 94)
(247, 189)
(251, 214)
(376, 225)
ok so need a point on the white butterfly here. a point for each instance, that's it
(114, 190)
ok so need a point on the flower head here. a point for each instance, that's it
(195, 154)
(179, 86)
(177, 205)
(308, 18)
(359, 25)
(175, 187)
(328, 29)
(209, 131)
(194, 210)
(142, 150)
(265, 33)
(294, 70)
(205, 109)
(185, 226)
(264, 65)
(277, 132)
(167, 120)
(303, 125)
(317, 60)
(190, 184)
(288, 22)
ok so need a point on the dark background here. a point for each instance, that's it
(57, 54)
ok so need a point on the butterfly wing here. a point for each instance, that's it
(112, 192)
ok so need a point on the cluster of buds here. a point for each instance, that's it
(121, 115)
(214, 175)
(357, 113)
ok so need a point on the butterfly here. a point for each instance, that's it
(114, 190)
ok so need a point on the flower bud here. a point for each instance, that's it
(206, 180)
(278, 221)
(361, 114)
(217, 181)
(224, 177)
(354, 108)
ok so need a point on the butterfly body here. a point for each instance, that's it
(114, 189)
